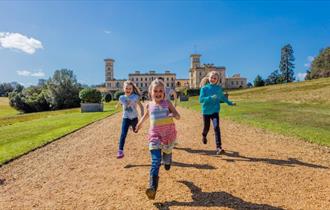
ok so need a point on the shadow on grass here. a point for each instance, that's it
(237, 157)
(213, 199)
(178, 164)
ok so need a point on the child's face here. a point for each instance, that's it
(128, 90)
(157, 93)
(213, 79)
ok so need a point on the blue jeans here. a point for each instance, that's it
(156, 158)
(124, 130)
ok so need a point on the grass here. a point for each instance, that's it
(21, 133)
(297, 109)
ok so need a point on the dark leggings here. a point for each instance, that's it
(216, 126)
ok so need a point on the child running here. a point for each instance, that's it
(162, 132)
(211, 95)
(130, 116)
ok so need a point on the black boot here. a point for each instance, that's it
(153, 185)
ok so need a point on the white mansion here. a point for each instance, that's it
(196, 72)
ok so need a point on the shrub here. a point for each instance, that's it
(107, 97)
(118, 93)
(89, 95)
(32, 99)
(193, 92)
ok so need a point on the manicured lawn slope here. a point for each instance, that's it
(20, 133)
(297, 109)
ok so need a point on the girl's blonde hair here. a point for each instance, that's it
(206, 80)
(136, 90)
(155, 83)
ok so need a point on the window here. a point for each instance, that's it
(141, 79)
(167, 85)
(145, 85)
(236, 82)
(109, 84)
(232, 83)
(241, 82)
(146, 79)
(172, 78)
(167, 79)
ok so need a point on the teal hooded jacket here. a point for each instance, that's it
(210, 98)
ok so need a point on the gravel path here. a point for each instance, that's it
(259, 170)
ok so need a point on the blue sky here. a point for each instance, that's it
(38, 37)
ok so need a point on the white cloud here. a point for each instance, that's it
(310, 60)
(107, 32)
(38, 74)
(301, 76)
(26, 73)
(20, 42)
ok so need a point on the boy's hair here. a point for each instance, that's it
(206, 79)
(156, 82)
(136, 90)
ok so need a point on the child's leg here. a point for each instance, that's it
(124, 130)
(156, 157)
(206, 128)
(134, 122)
(216, 127)
(167, 158)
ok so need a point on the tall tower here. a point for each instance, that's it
(109, 69)
(195, 60)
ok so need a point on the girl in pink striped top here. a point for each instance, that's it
(162, 132)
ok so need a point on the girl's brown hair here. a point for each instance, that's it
(136, 90)
(155, 83)
(206, 79)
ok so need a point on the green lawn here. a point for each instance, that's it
(301, 116)
(21, 133)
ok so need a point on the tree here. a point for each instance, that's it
(107, 97)
(5, 89)
(273, 78)
(286, 64)
(258, 81)
(31, 99)
(63, 90)
(320, 66)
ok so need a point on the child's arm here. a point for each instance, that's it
(144, 117)
(117, 105)
(141, 107)
(173, 111)
(175, 96)
(225, 99)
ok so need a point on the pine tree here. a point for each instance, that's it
(286, 65)
(258, 81)
(273, 78)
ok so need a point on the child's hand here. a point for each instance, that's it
(214, 97)
(137, 128)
